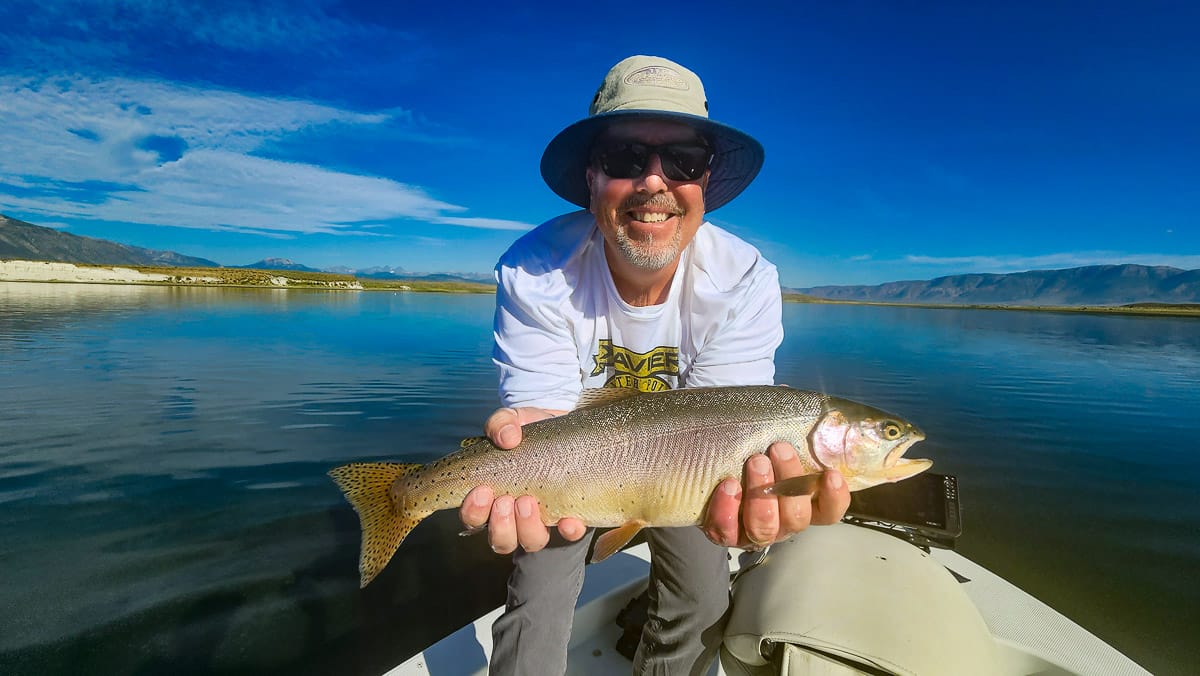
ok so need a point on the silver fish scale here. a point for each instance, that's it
(655, 457)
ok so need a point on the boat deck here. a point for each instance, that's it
(1032, 637)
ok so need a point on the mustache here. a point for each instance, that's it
(657, 201)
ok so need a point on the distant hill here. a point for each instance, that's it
(281, 264)
(28, 242)
(377, 272)
(400, 274)
(1090, 285)
(478, 278)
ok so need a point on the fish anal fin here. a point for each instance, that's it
(368, 487)
(602, 396)
(612, 541)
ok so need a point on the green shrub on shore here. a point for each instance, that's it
(243, 276)
(297, 279)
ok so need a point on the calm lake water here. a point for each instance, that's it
(164, 504)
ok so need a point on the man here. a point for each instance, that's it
(637, 291)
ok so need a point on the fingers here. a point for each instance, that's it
(753, 519)
(571, 529)
(476, 507)
(795, 512)
(511, 523)
(502, 529)
(503, 427)
(832, 499)
(532, 534)
(721, 522)
(516, 522)
(760, 513)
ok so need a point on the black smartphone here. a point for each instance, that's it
(927, 503)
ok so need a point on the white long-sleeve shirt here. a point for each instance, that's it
(561, 326)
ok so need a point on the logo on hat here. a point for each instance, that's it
(657, 76)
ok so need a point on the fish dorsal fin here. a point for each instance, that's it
(471, 441)
(602, 396)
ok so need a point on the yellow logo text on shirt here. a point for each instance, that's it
(636, 370)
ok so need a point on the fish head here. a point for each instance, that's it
(865, 444)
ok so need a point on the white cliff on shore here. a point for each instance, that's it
(44, 271)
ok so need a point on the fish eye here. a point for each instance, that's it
(891, 431)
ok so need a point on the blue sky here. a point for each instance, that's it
(905, 140)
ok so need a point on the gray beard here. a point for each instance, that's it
(645, 254)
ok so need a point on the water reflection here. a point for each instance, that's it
(163, 471)
(163, 457)
(1074, 438)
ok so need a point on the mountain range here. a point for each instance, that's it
(280, 264)
(28, 242)
(1090, 285)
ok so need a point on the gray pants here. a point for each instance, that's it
(689, 595)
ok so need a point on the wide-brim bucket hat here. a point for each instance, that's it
(651, 88)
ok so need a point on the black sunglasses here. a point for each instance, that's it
(682, 161)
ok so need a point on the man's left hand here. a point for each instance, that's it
(756, 521)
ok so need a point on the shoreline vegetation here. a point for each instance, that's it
(78, 273)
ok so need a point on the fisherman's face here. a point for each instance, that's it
(649, 219)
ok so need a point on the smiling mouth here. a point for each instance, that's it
(650, 216)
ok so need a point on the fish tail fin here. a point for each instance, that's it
(368, 487)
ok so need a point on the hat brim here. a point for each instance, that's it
(736, 161)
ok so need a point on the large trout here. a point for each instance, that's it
(630, 459)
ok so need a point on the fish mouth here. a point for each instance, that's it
(904, 468)
(896, 468)
(894, 457)
(899, 471)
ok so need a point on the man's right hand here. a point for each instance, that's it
(513, 522)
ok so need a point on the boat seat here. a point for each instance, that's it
(837, 600)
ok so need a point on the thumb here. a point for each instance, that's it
(504, 426)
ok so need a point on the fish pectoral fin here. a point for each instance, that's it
(474, 530)
(797, 485)
(612, 541)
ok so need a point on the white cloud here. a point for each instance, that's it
(485, 223)
(166, 154)
(226, 191)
